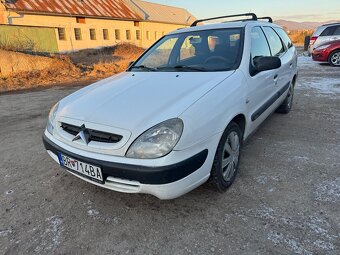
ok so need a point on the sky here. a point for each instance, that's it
(294, 10)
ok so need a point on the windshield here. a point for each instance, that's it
(209, 50)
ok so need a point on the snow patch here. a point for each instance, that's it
(52, 236)
(286, 241)
(328, 191)
(5, 232)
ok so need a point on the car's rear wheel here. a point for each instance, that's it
(287, 104)
(334, 58)
(227, 158)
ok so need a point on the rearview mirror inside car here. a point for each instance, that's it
(265, 63)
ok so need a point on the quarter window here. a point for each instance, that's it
(61, 34)
(274, 41)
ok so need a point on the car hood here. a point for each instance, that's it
(136, 101)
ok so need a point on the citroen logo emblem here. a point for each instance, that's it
(83, 135)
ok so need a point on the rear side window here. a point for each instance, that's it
(274, 41)
(337, 31)
(285, 38)
(329, 31)
(259, 44)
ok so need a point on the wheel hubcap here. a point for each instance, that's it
(335, 59)
(230, 156)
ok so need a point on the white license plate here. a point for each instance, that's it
(92, 172)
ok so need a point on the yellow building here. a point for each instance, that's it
(81, 24)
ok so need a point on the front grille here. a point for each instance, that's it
(94, 135)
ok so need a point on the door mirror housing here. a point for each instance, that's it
(261, 64)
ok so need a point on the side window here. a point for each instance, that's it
(337, 31)
(274, 41)
(329, 31)
(259, 44)
(285, 38)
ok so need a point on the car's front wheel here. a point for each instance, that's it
(227, 158)
(334, 58)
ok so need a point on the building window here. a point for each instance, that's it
(92, 34)
(105, 34)
(138, 37)
(80, 20)
(128, 35)
(77, 34)
(156, 35)
(117, 34)
(147, 35)
(136, 23)
(61, 34)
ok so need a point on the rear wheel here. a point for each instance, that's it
(334, 58)
(227, 158)
(287, 104)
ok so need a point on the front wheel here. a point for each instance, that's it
(227, 158)
(334, 58)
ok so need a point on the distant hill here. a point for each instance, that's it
(294, 25)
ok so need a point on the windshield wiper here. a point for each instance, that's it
(151, 69)
(190, 68)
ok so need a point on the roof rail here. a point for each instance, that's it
(330, 24)
(270, 20)
(253, 17)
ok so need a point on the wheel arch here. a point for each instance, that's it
(241, 121)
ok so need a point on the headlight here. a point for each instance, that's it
(51, 118)
(158, 141)
(322, 47)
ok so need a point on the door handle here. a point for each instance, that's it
(291, 65)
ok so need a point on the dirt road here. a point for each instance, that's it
(286, 198)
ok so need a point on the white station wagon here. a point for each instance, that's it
(180, 113)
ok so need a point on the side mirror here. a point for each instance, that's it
(266, 63)
(131, 63)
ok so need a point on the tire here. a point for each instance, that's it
(287, 104)
(334, 58)
(228, 150)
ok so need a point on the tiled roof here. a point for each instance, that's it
(162, 13)
(116, 9)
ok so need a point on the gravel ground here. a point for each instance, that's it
(285, 200)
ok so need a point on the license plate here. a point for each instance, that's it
(81, 168)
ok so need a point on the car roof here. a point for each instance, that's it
(331, 24)
(235, 24)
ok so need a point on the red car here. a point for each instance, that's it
(328, 52)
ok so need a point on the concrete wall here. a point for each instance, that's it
(69, 23)
(31, 39)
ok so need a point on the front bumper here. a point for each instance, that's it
(320, 55)
(164, 182)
